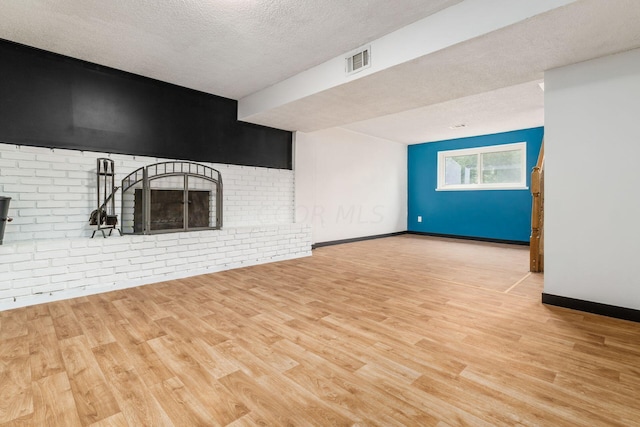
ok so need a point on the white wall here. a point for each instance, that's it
(349, 185)
(592, 201)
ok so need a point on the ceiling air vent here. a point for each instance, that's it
(358, 60)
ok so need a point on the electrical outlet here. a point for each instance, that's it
(419, 218)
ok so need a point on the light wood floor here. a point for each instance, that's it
(403, 331)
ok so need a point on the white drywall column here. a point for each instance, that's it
(350, 185)
(592, 207)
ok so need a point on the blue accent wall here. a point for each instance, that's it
(489, 214)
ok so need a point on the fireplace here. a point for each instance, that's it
(171, 196)
(167, 210)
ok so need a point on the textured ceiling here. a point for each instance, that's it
(230, 48)
(511, 108)
(511, 56)
(233, 48)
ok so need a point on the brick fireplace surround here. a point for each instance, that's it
(47, 253)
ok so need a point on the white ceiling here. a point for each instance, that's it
(522, 105)
(234, 48)
(500, 59)
(229, 48)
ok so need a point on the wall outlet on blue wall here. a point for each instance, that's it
(419, 218)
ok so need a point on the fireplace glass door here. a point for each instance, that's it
(167, 205)
(173, 196)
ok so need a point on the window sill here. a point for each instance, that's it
(500, 188)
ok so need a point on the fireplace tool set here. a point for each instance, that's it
(105, 218)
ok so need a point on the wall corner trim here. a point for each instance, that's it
(592, 307)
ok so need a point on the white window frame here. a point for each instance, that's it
(442, 155)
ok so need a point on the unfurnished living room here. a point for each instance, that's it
(297, 213)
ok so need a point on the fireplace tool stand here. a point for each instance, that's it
(105, 218)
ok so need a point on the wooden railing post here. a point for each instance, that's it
(536, 241)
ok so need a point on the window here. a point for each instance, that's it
(497, 167)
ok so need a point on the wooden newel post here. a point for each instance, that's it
(536, 240)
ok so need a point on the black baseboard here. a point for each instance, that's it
(592, 307)
(419, 233)
(356, 239)
(478, 239)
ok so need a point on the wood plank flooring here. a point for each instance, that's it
(402, 331)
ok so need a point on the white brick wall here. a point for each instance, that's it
(53, 191)
(46, 270)
(47, 253)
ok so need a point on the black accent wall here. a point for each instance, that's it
(50, 100)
